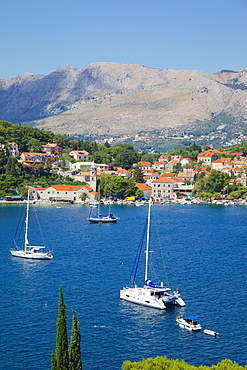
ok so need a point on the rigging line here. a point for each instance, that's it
(133, 273)
(19, 229)
(160, 247)
(40, 229)
(20, 220)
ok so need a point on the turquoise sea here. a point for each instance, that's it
(205, 253)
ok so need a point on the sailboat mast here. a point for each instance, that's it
(99, 202)
(148, 235)
(26, 222)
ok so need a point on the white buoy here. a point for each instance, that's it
(210, 332)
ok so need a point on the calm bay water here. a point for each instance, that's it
(206, 257)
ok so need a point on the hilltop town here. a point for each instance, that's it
(72, 175)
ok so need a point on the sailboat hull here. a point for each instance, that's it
(103, 219)
(34, 255)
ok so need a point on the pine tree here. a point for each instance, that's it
(62, 356)
(75, 346)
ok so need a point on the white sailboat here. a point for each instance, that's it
(30, 251)
(150, 295)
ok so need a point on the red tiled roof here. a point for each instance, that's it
(82, 152)
(204, 154)
(142, 186)
(67, 187)
(168, 179)
(87, 187)
(159, 162)
(167, 174)
(143, 163)
(223, 160)
(122, 170)
(31, 154)
(232, 181)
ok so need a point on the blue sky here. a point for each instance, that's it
(41, 36)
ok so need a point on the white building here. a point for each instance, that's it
(86, 166)
(79, 154)
(64, 193)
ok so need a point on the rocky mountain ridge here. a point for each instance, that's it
(116, 99)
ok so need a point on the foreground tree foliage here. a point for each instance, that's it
(75, 346)
(67, 357)
(163, 363)
(62, 353)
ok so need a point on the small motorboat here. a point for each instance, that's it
(188, 322)
(210, 332)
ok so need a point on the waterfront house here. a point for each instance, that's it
(147, 190)
(150, 178)
(159, 166)
(144, 166)
(63, 193)
(79, 154)
(239, 162)
(167, 173)
(219, 164)
(172, 165)
(13, 149)
(35, 157)
(81, 166)
(164, 158)
(185, 161)
(164, 187)
(51, 148)
(123, 173)
(208, 156)
(187, 176)
(86, 166)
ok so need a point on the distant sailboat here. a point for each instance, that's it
(151, 295)
(99, 218)
(30, 251)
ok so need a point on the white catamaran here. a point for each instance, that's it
(30, 251)
(151, 295)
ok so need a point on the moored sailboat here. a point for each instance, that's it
(99, 218)
(150, 295)
(30, 251)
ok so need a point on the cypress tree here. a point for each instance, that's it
(62, 356)
(53, 362)
(75, 346)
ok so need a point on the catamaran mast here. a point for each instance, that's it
(148, 235)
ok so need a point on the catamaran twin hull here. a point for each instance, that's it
(150, 297)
